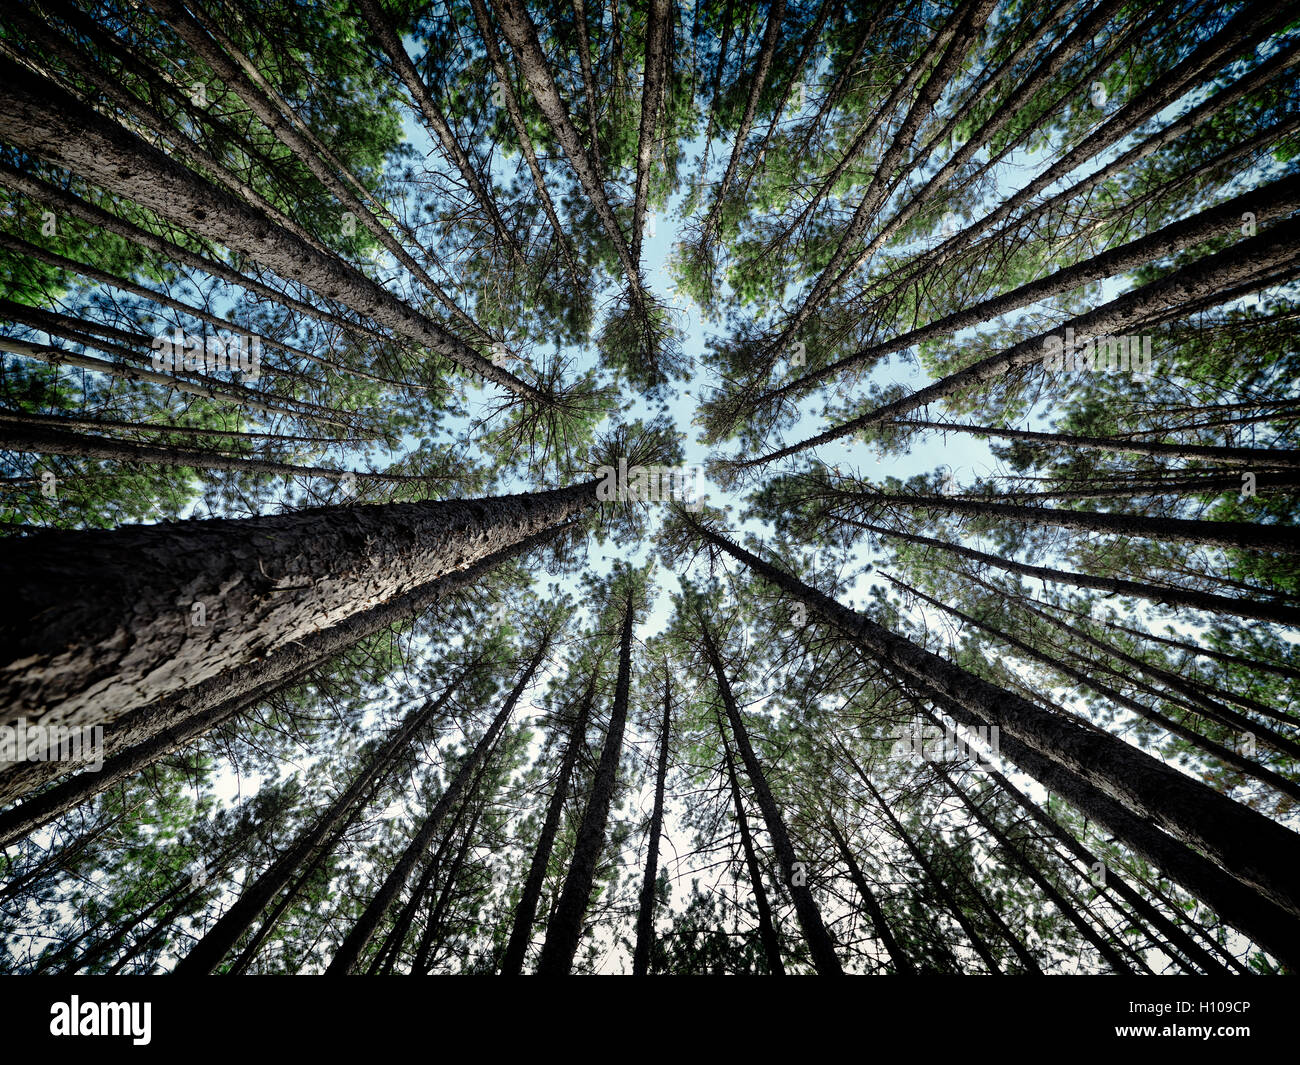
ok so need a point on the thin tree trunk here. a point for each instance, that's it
(564, 931)
(1155, 593)
(208, 953)
(646, 908)
(950, 901)
(512, 962)
(820, 945)
(354, 943)
(488, 36)
(902, 963)
(1258, 852)
(766, 926)
(37, 116)
(766, 53)
(1252, 458)
(1049, 890)
(654, 82)
(1205, 277)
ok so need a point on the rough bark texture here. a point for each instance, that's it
(99, 623)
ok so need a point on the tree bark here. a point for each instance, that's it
(355, 942)
(512, 962)
(1258, 852)
(98, 623)
(564, 932)
(646, 908)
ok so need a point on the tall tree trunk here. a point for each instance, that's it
(355, 942)
(1252, 458)
(645, 913)
(488, 35)
(179, 720)
(1244, 536)
(99, 623)
(654, 82)
(1049, 890)
(564, 932)
(951, 902)
(1223, 754)
(766, 926)
(1256, 851)
(37, 116)
(1155, 593)
(1275, 200)
(522, 36)
(208, 953)
(521, 931)
(820, 945)
(902, 963)
(436, 121)
(1232, 268)
(1272, 927)
(766, 53)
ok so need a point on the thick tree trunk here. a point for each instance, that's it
(1179, 942)
(1223, 754)
(142, 739)
(100, 623)
(1275, 929)
(646, 907)
(564, 931)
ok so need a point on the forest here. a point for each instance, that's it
(649, 487)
